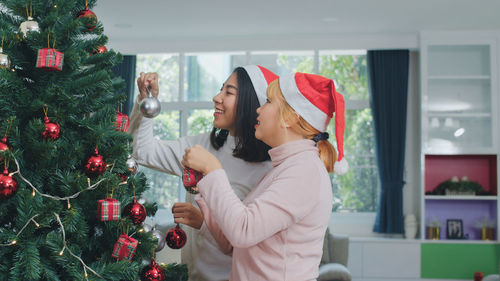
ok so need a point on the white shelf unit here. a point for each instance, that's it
(459, 117)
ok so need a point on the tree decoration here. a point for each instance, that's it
(52, 130)
(95, 165)
(160, 237)
(150, 107)
(30, 25)
(8, 185)
(3, 143)
(135, 211)
(50, 58)
(124, 248)
(152, 272)
(108, 209)
(89, 16)
(132, 165)
(190, 179)
(4, 58)
(100, 50)
(122, 121)
(176, 237)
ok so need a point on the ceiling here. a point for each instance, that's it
(149, 21)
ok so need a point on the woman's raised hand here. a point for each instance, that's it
(187, 214)
(200, 159)
(145, 81)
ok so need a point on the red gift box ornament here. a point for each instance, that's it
(124, 248)
(122, 122)
(190, 179)
(50, 59)
(108, 209)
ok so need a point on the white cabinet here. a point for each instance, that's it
(458, 93)
(384, 259)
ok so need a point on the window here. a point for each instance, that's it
(189, 81)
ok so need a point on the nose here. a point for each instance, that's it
(217, 98)
(258, 109)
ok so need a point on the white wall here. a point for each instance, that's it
(342, 41)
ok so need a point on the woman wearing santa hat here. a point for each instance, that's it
(277, 232)
(232, 141)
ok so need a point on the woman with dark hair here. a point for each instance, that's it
(232, 141)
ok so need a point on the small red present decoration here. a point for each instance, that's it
(124, 248)
(122, 122)
(190, 178)
(108, 209)
(50, 59)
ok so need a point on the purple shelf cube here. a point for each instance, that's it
(469, 211)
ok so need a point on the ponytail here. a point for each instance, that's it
(327, 154)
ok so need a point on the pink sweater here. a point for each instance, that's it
(277, 232)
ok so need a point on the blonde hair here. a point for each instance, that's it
(327, 152)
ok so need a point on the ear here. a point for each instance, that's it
(292, 120)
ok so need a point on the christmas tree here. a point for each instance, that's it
(64, 151)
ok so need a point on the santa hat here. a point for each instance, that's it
(315, 99)
(261, 78)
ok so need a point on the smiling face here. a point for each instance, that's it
(268, 128)
(271, 127)
(225, 105)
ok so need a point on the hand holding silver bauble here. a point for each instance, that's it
(150, 106)
(29, 26)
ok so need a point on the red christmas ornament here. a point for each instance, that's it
(176, 237)
(52, 130)
(8, 185)
(135, 211)
(88, 14)
(3, 146)
(190, 179)
(122, 177)
(122, 122)
(152, 272)
(95, 165)
(100, 50)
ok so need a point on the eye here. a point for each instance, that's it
(268, 101)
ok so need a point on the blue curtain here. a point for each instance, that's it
(388, 79)
(126, 70)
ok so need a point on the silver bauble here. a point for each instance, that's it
(4, 60)
(150, 107)
(161, 239)
(132, 165)
(29, 26)
(146, 227)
